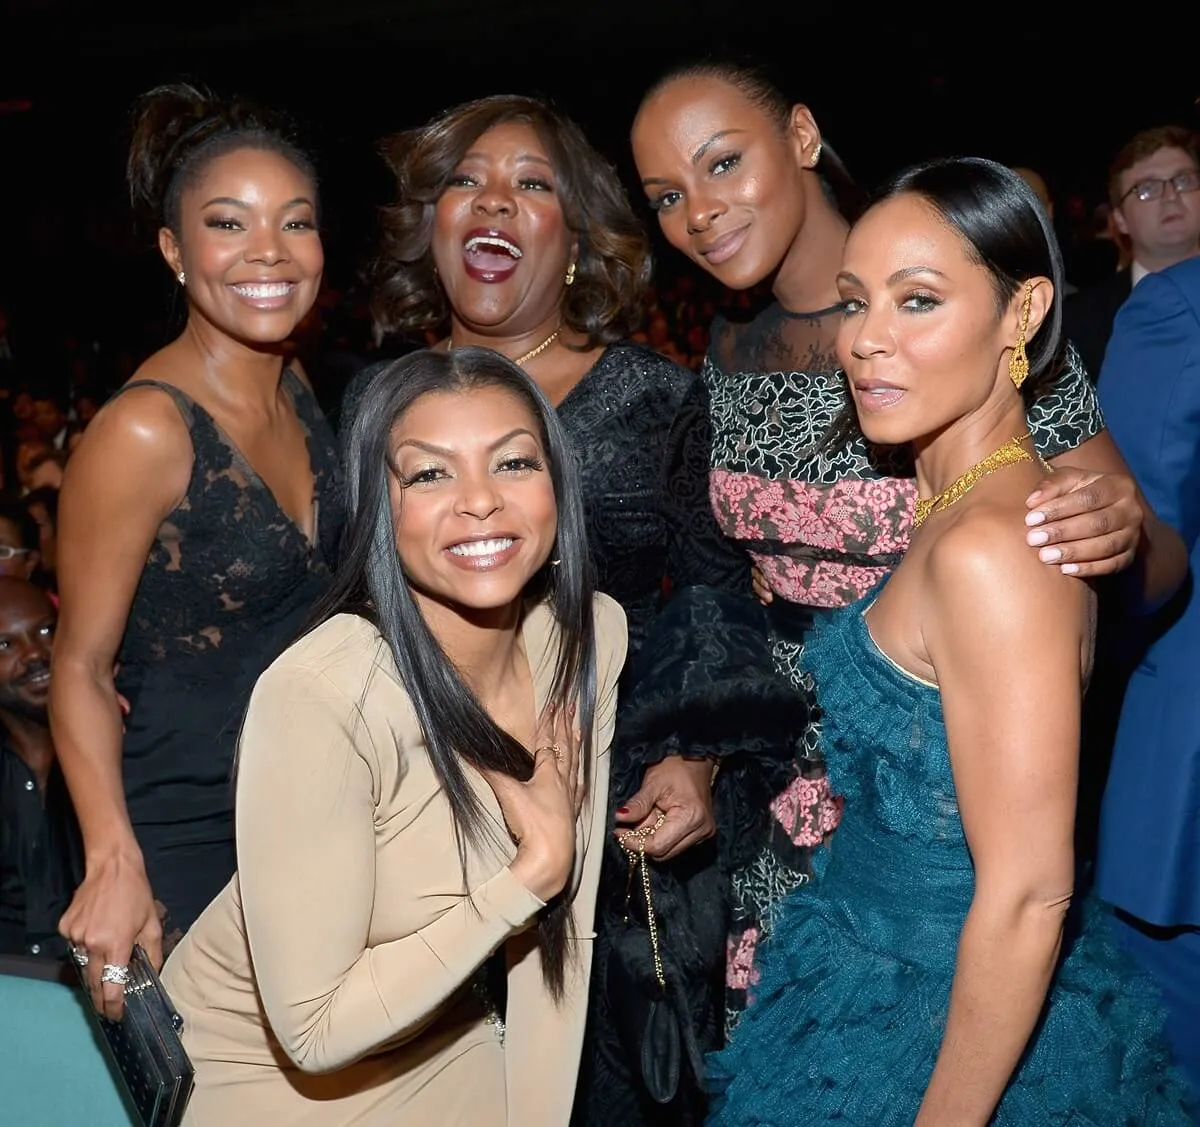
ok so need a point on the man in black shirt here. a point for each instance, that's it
(39, 842)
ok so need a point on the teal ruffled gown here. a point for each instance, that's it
(847, 1014)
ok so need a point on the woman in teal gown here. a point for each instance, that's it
(943, 976)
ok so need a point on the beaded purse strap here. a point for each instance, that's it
(637, 859)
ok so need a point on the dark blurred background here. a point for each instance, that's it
(1031, 85)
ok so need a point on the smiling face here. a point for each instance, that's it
(922, 342)
(248, 245)
(500, 239)
(472, 498)
(27, 621)
(724, 178)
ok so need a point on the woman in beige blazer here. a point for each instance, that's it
(420, 790)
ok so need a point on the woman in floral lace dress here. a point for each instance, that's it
(743, 184)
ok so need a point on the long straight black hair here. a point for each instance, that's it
(371, 583)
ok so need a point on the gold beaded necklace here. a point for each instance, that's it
(522, 360)
(1009, 454)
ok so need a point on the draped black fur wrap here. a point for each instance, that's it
(704, 685)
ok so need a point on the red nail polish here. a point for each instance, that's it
(622, 809)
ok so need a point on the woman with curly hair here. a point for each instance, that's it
(510, 231)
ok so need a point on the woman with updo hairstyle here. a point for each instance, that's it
(198, 524)
(509, 230)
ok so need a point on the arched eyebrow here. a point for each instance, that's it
(522, 158)
(698, 155)
(430, 448)
(230, 201)
(898, 276)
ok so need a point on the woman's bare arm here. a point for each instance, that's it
(131, 469)
(1006, 637)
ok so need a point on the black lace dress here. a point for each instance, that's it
(227, 585)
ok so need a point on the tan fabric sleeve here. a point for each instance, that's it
(306, 859)
(544, 1041)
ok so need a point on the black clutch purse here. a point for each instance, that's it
(641, 1011)
(146, 1048)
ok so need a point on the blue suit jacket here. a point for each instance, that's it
(1149, 850)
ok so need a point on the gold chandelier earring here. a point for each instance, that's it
(1018, 363)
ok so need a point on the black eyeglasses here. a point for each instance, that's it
(7, 553)
(1147, 190)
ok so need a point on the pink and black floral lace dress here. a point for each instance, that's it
(825, 515)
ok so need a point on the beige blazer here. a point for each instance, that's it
(332, 982)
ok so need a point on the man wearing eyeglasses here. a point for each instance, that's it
(1154, 190)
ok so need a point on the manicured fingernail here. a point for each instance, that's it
(1070, 569)
(622, 809)
(1035, 538)
(1032, 498)
(1050, 555)
(1036, 517)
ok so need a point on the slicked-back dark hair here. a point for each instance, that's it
(179, 129)
(1006, 231)
(755, 83)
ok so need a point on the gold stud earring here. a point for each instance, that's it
(182, 278)
(1018, 363)
(570, 278)
(816, 154)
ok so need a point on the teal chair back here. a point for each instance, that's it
(54, 1071)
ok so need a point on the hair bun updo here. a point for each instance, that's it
(179, 128)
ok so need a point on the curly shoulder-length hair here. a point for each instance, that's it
(612, 269)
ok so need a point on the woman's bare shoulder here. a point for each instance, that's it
(984, 575)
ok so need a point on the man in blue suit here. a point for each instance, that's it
(1148, 861)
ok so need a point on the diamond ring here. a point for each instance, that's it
(119, 975)
(80, 956)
